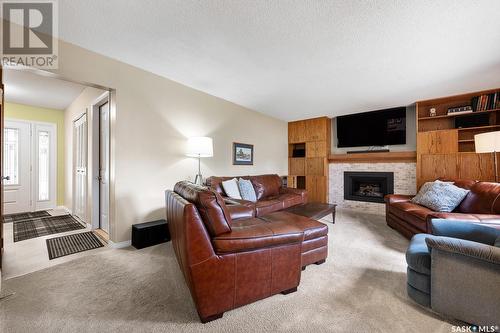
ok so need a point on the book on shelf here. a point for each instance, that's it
(486, 102)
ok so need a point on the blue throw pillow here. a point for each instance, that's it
(246, 190)
(440, 196)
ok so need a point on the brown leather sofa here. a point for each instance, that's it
(480, 206)
(229, 263)
(271, 196)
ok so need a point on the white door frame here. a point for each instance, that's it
(95, 182)
(35, 128)
(73, 178)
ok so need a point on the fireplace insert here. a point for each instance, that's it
(368, 186)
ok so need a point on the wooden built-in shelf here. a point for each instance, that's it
(466, 141)
(477, 128)
(457, 115)
(375, 157)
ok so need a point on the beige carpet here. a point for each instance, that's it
(361, 288)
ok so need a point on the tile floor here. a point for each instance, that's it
(31, 255)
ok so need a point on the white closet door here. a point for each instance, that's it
(16, 166)
(80, 167)
(104, 167)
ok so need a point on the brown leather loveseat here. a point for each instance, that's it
(229, 263)
(271, 196)
(480, 206)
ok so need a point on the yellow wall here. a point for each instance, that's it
(26, 112)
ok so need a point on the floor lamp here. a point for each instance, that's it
(488, 143)
(199, 146)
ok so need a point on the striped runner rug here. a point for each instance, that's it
(43, 226)
(66, 245)
(24, 216)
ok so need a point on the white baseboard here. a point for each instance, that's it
(119, 245)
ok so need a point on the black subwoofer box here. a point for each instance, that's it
(150, 233)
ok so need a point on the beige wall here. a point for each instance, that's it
(77, 108)
(154, 116)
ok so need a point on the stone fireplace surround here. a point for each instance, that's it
(404, 182)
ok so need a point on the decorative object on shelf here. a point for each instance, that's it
(432, 112)
(488, 143)
(199, 146)
(486, 102)
(460, 110)
(242, 154)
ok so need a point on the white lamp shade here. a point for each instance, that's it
(200, 146)
(487, 142)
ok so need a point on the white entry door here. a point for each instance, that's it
(16, 166)
(30, 166)
(80, 167)
(104, 167)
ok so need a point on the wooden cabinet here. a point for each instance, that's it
(315, 166)
(297, 132)
(434, 166)
(476, 166)
(310, 171)
(437, 142)
(316, 129)
(449, 152)
(297, 166)
(316, 187)
(316, 149)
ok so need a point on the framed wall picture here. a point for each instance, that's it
(242, 154)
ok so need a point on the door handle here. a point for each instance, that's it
(6, 178)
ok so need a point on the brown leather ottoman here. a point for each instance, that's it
(315, 244)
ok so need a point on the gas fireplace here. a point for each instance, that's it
(368, 186)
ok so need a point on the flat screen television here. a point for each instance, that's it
(375, 128)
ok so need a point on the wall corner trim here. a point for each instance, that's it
(119, 245)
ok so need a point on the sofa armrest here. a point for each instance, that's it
(392, 198)
(464, 280)
(257, 236)
(464, 230)
(465, 248)
(301, 192)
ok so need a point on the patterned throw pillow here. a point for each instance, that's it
(246, 189)
(231, 188)
(440, 196)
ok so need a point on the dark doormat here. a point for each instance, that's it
(65, 245)
(24, 216)
(43, 226)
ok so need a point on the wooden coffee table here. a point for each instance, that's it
(313, 210)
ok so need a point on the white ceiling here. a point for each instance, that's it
(25, 87)
(300, 58)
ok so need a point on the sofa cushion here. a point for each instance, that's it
(238, 211)
(483, 198)
(263, 207)
(440, 196)
(248, 236)
(311, 228)
(231, 188)
(210, 205)
(266, 185)
(290, 199)
(418, 255)
(246, 190)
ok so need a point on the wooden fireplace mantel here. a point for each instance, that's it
(382, 157)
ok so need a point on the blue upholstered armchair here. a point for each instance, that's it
(456, 271)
